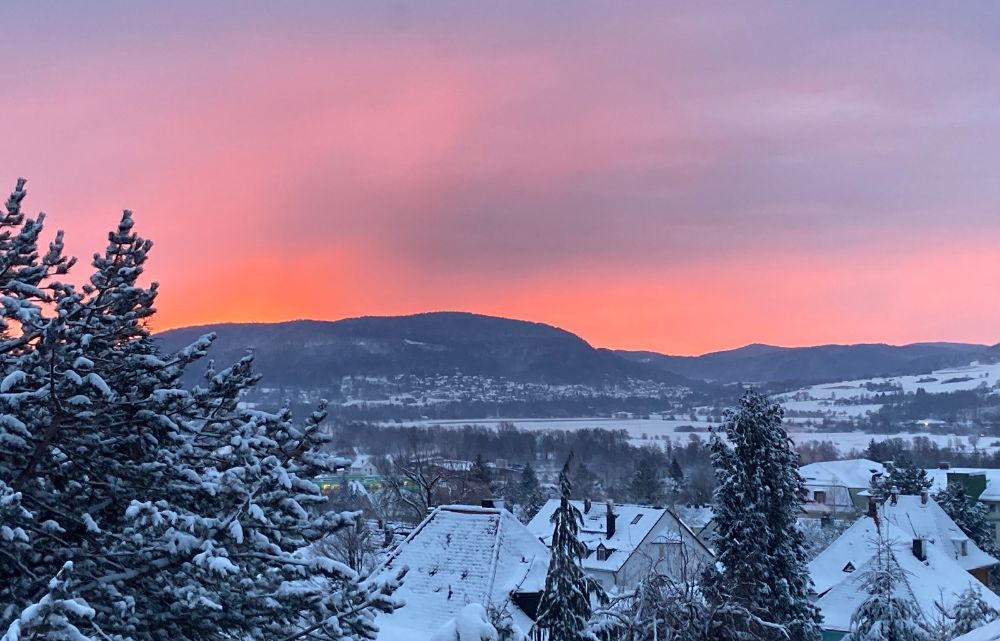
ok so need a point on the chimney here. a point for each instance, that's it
(944, 465)
(923, 497)
(586, 506)
(920, 549)
(611, 518)
(492, 503)
(893, 494)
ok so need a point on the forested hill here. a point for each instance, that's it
(308, 353)
(767, 363)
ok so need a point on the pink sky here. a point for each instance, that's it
(677, 179)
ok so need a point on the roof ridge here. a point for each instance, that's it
(495, 561)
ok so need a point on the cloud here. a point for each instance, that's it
(622, 170)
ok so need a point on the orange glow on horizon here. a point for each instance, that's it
(682, 179)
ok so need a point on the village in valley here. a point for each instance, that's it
(931, 532)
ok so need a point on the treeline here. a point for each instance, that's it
(608, 465)
(513, 408)
(926, 453)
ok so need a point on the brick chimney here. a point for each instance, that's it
(893, 494)
(923, 497)
(920, 549)
(611, 518)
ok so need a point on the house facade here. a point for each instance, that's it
(626, 543)
(835, 489)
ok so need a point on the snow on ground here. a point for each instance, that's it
(830, 409)
(657, 431)
(940, 381)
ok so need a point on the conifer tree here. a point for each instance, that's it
(185, 515)
(905, 476)
(529, 491)
(968, 514)
(758, 544)
(565, 607)
(889, 613)
(646, 486)
(971, 612)
(676, 473)
(480, 471)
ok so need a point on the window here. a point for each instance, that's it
(819, 496)
(603, 553)
(849, 567)
(636, 519)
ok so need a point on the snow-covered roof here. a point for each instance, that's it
(992, 492)
(838, 574)
(930, 522)
(989, 632)
(361, 460)
(850, 473)
(632, 525)
(913, 519)
(459, 555)
(695, 517)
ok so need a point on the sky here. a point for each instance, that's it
(680, 177)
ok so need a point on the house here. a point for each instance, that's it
(983, 484)
(363, 465)
(834, 489)
(932, 574)
(627, 542)
(462, 554)
(921, 517)
(701, 520)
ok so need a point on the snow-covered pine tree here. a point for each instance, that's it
(186, 515)
(889, 613)
(529, 493)
(758, 543)
(969, 515)
(906, 476)
(565, 608)
(970, 612)
(54, 616)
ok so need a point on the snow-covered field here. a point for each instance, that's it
(940, 381)
(656, 431)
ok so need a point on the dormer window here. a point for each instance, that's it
(849, 567)
(603, 553)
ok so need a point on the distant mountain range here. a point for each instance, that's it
(767, 363)
(314, 354)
